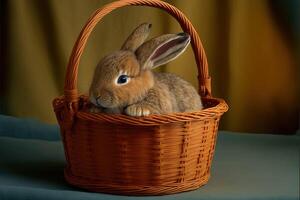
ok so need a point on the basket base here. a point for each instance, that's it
(133, 190)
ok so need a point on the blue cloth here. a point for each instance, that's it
(246, 166)
(27, 128)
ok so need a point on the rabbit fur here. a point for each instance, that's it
(123, 82)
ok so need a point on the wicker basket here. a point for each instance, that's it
(154, 155)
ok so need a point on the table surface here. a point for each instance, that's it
(245, 166)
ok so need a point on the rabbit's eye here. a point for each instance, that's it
(123, 79)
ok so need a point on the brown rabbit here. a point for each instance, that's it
(124, 83)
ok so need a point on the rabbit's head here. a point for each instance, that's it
(124, 77)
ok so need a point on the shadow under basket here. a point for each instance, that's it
(153, 155)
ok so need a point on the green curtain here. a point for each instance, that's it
(252, 49)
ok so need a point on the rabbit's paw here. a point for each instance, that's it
(137, 110)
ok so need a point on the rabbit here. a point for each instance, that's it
(123, 82)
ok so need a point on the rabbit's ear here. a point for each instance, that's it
(137, 37)
(162, 49)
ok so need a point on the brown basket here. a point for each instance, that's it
(154, 155)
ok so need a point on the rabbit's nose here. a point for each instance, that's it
(98, 101)
(103, 101)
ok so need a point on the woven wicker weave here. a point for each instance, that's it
(153, 155)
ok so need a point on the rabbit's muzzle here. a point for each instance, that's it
(105, 99)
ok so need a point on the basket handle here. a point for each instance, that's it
(70, 88)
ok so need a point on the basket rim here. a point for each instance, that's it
(151, 120)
